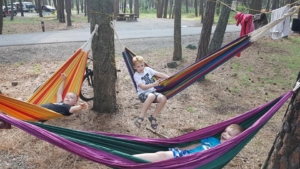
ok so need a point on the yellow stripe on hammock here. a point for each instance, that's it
(74, 68)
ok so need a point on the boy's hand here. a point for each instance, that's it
(84, 105)
(63, 76)
(156, 83)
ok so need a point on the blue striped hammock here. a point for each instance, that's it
(186, 77)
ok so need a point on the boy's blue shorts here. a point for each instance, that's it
(179, 153)
(144, 96)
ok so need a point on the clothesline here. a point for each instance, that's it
(249, 8)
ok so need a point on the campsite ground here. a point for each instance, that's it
(265, 71)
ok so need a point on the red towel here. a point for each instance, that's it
(246, 21)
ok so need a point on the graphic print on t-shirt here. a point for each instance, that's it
(147, 79)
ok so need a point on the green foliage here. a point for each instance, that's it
(190, 109)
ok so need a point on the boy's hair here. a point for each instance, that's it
(237, 127)
(137, 59)
(75, 95)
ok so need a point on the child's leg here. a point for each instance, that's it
(147, 104)
(150, 97)
(154, 157)
(161, 101)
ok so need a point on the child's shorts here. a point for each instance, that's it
(144, 96)
(179, 153)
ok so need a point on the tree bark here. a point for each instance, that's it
(177, 54)
(21, 7)
(137, 8)
(201, 8)
(104, 57)
(275, 4)
(196, 7)
(208, 21)
(255, 7)
(217, 39)
(166, 8)
(171, 9)
(116, 8)
(68, 12)
(159, 8)
(61, 12)
(1, 18)
(130, 6)
(77, 6)
(285, 153)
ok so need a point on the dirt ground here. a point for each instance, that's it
(235, 87)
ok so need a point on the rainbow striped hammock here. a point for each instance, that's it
(116, 150)
(184, 78)
(74, 68)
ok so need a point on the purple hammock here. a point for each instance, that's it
(100, 150)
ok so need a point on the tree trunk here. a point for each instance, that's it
(208, 21)
(171, 9)
(21, 8)
(6, 7)
(81, 6)
(55, 4)
(159, 8)
(201, 13)
(275, 4)
(77, 6)
(130, 6)
(116, 8)
(124, 7)
(268, 6)
(186, 6)
(104, 58)
(166, 9)
(68, 12)
(285, 153)
(88, 10)
(40, 8)
(177, 54)
(255, 7)
(61, 12)
(217, 39)
(137, 8)
(1, 18)
(11, 11)
(196, 8)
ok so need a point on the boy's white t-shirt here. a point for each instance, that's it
(144, 78)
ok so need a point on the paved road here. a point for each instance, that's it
(143, 28)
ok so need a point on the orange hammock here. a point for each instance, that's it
(74, 68)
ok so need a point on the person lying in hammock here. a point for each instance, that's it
(65, 106)
(230, 132)
(146, 91)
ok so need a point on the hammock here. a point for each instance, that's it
(184, 78)
(116, 150)
(74, 68)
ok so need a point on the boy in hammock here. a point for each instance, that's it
(230, 132)
(65, 106)
(146, 91)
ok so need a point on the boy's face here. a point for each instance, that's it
(228, 134)
(70, 99)
(139, 67)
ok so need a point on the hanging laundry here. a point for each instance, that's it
(246, 22)
(296, 25)
(260, 20)
(282, 29)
